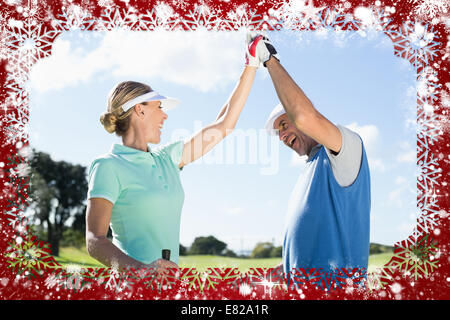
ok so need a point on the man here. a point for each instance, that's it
(327, 224)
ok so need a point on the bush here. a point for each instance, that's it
(277, 252)
(376, 248)
(73, 238)
(207, 245)
(262, 250)
(230, 253)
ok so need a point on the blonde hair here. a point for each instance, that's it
(114, 119)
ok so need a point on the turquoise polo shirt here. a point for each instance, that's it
(147, 197)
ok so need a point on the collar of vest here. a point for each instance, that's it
(132, 154)
(313, 152)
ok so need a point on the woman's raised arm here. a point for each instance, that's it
(202, 142)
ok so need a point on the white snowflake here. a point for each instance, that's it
(117, 282)
(52, 281)
(415, 42)
(330, 20)
(430, 214)
(381, 19)
(245, 289)
(16, 125)
(246, 18)
(21, 170)
(428, 127)
(117, 19)
(202, 17)
(300, 14)
(73, 18)
(26, 42)
(428, 84)
(431, 8)
(17, 220)
(29, 41)
(153, 20)
(105, 3)
(429, 173)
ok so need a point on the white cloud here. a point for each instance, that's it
(202, 60)
(234, 211)
(394, 197)
(407, 153)
(406, 228)
(400, 180)
(370, 136)
(409, 157)
(403, 194)
(376, 164)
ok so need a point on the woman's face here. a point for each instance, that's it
(151, 120)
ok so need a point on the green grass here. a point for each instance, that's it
(76, 256)
(201, 263)
(80, 257)
(379, 260)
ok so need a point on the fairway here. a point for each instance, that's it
(203, 262)
(79, 257)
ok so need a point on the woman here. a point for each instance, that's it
(137, 189)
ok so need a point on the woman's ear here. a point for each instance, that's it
(139, 110)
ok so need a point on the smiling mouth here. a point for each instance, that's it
(292, 141)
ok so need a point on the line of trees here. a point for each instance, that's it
(212, 246)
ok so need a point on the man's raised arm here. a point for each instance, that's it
(298, 107)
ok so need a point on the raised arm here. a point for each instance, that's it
(301, 111)
(208, 137)
(299, 108)
(203, 141)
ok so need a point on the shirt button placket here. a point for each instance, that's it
(165, 186)
(161, 179)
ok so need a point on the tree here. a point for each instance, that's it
(230, 253)
(262, 250)
(277, 252)
(207, 245)
(58, 190)
(183, 250)
(376, 248)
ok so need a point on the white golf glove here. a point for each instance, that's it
(265, 50)
(251, 54)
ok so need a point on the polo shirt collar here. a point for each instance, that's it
(132, 154)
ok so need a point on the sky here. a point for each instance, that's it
(238, 192)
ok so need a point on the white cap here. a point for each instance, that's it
(167, 103)
(276, 112)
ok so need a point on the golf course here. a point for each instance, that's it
(70, 256)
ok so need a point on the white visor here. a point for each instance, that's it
(276, 112)
(167, 103)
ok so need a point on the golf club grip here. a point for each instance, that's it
(165, 254)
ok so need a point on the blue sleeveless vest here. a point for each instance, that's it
(328, 225)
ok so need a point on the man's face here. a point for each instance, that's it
(293, 137)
